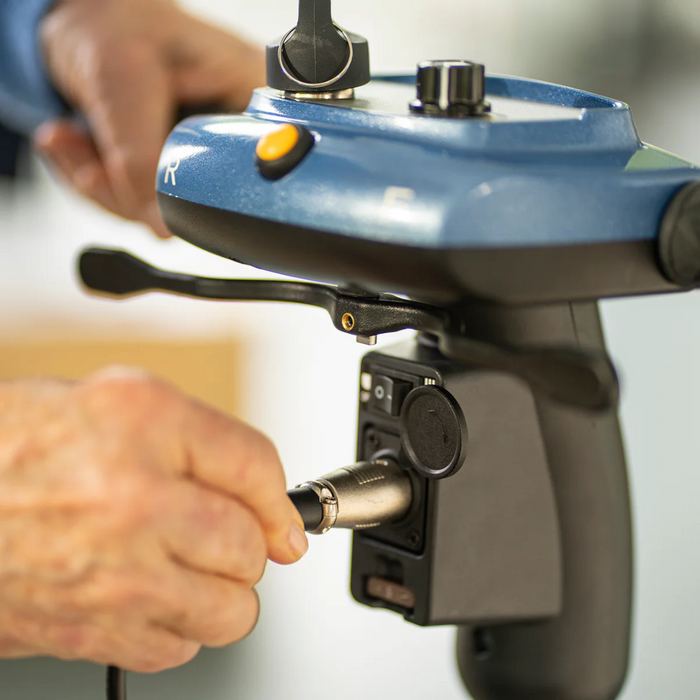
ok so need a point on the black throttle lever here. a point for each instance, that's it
(317, 56)
(585, 379)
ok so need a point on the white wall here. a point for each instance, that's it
(300, 387)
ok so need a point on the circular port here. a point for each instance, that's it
(348, 322)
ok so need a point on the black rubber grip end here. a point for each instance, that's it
(308, 505)
(114, 272)
(679, 238)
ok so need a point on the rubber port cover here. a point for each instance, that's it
(433, 432)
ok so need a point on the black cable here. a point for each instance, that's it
(116, 683)
(309, 506)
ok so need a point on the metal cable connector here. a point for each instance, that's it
(365, 495)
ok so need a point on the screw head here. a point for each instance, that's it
(374, 440)
(413, 538)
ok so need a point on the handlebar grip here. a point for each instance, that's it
(583, 653)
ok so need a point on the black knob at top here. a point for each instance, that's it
(317, 55)
(451, 89)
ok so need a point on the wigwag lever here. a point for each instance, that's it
(581, 378)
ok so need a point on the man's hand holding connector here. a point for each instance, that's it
(134, 522)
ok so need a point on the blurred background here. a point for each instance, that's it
(287, 371)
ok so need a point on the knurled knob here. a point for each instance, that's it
(451, 89)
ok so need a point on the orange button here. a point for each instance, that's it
(278, 144)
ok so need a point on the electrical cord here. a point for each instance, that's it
(116, 683)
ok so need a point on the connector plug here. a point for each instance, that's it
(364, 495)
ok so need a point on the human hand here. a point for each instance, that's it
(134, 522)
(127, 65)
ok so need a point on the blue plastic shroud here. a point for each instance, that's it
(554, 184)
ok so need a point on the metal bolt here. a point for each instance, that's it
(413, 538)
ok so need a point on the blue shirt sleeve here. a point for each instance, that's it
(27, 97)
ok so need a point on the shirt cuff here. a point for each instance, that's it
(27, 97)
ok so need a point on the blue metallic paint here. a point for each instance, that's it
(476, 183)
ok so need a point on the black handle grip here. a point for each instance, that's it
(583, 653)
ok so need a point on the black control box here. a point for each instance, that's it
(481, 543)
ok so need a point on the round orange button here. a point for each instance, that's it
(278, 144)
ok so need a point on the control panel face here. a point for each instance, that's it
(383, 392)
(411, 418)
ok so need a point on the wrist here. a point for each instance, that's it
(27, 96)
